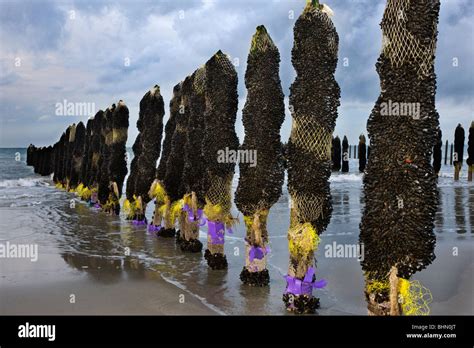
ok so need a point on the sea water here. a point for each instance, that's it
(74, 239)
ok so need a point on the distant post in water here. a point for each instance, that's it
(345, 155)
(437, 153)
(446, 153)
(362, 153)
(336, 154)
(458, 150)
(451, 154)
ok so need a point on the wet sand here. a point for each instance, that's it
(45, 289)
(84, 252)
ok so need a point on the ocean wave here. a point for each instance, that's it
(24, 195)
(29, 204)
(24, 182)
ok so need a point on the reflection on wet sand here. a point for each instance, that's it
(459, 211)
(439, 220)
(111, 251)
(470, 208)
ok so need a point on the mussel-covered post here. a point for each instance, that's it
(118, 155)
(261, 170)
(68, 155)
(83, 189)
(77, 155)
(362, 148)
(314, 99)
(336, 154)
(95, 152)
(146, 151)
(470, 152)
(194, 171)
(172, 182)
(161, 222)
(400, 186)
(219, 142)
(103, 189)
(458, 154)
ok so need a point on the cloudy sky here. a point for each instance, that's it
(102, 51)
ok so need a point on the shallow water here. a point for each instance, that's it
(77, 242)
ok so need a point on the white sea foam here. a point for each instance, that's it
(23, 182)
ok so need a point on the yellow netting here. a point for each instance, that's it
(399, 45)
(219, 200)
(60, 186)
(131, 208)
(302, 240)
(175, 211)
(307, 134)
(307, 206)
(86, 194)
(170, 212)
(83, 192)
(225, 63)
(157, 192)
(377, 286)
(249, 220)
(111, 202)
(199, 83)
(414, 297)
(219, 193)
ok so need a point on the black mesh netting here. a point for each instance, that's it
(260, 181)
(315, 99)
(400, 184)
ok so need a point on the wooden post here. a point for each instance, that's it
(393, 278)
(451, 155)
(457, 168)
(446, 154)
(350, 152)
(469, 172)
(355, 151)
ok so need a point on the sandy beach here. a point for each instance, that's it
(113, 267)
